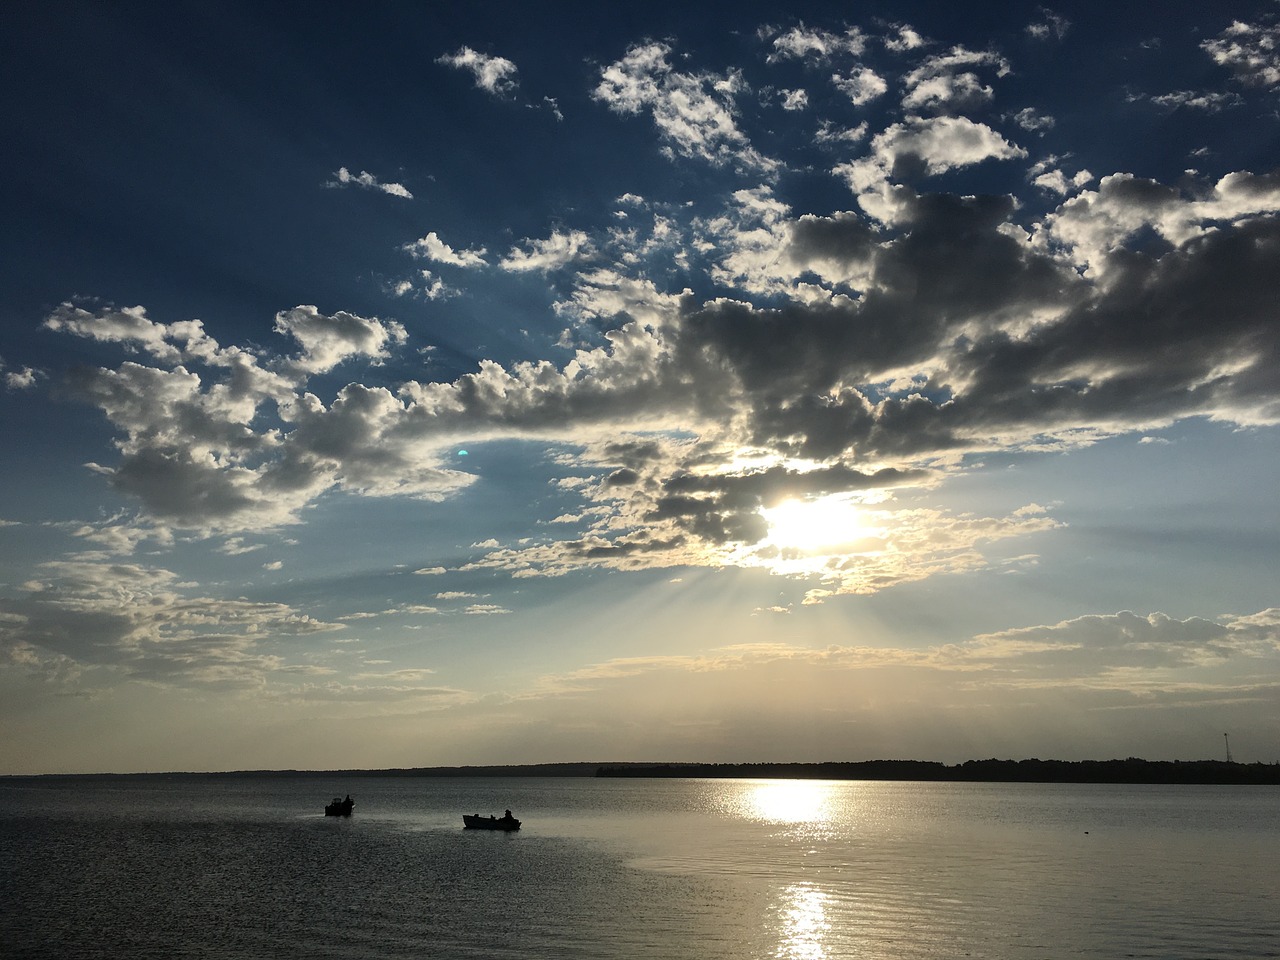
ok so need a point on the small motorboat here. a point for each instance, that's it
(473, 821)
(339, 807)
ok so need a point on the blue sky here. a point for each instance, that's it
(412, 386)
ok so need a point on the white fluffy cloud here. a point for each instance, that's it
(128, 325)
(496, 75)
(861, 86)
(928, 146)
(904, 38)
(1096, 223)
(326, 341)
(694, 112)
(1250, 51)
(1029, 119)
(23, 379)
(794, 99)
(431, 247)
(947, 82)
(808, 43)
(550, 254)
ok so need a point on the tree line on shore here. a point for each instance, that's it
(1131, 770)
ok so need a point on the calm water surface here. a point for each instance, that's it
(249, 867)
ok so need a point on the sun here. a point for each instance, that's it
(823, 525)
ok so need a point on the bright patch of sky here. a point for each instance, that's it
(420, 389)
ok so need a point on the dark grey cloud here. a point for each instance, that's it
(724, 508)
(851, 352)
(950, 330)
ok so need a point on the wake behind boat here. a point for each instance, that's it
(473, 821)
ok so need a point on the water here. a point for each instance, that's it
(250, 868)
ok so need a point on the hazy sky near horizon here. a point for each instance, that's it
(449, 384)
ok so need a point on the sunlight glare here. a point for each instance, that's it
(791, 801)
(819, 525)
(804, 923)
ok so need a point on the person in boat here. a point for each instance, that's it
(508, 816)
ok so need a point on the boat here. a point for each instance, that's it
(339, 807)
(473, 821)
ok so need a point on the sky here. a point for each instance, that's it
(448, 384)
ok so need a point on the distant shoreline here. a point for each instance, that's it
(1131, 770)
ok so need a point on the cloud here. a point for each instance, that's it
(1006, 346)
(904, 38)
(128, 325)
(943, 83)
(484, 610)
(694, 113)
(829, 133)
(794, 100)
(23, 379)
(344, 177)
(195, 449)
(1097, 223)
(386, 689)
(427, 286)
(718, 519)
(119, 536)
(1250, 51)
(1197, 100)
(1051, 26)
(1047, 175)
(1053, 688)
(1101, 646)
(1029, 119)
(556, 251)
(861, 86)
(816, 45)
(495, 75)
(847, 357)
(431, 247)
(920, 146)
(80, 617)
(327, 341)
(1093, 651)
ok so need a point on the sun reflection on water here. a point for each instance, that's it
(803, 924)
(790, 801)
